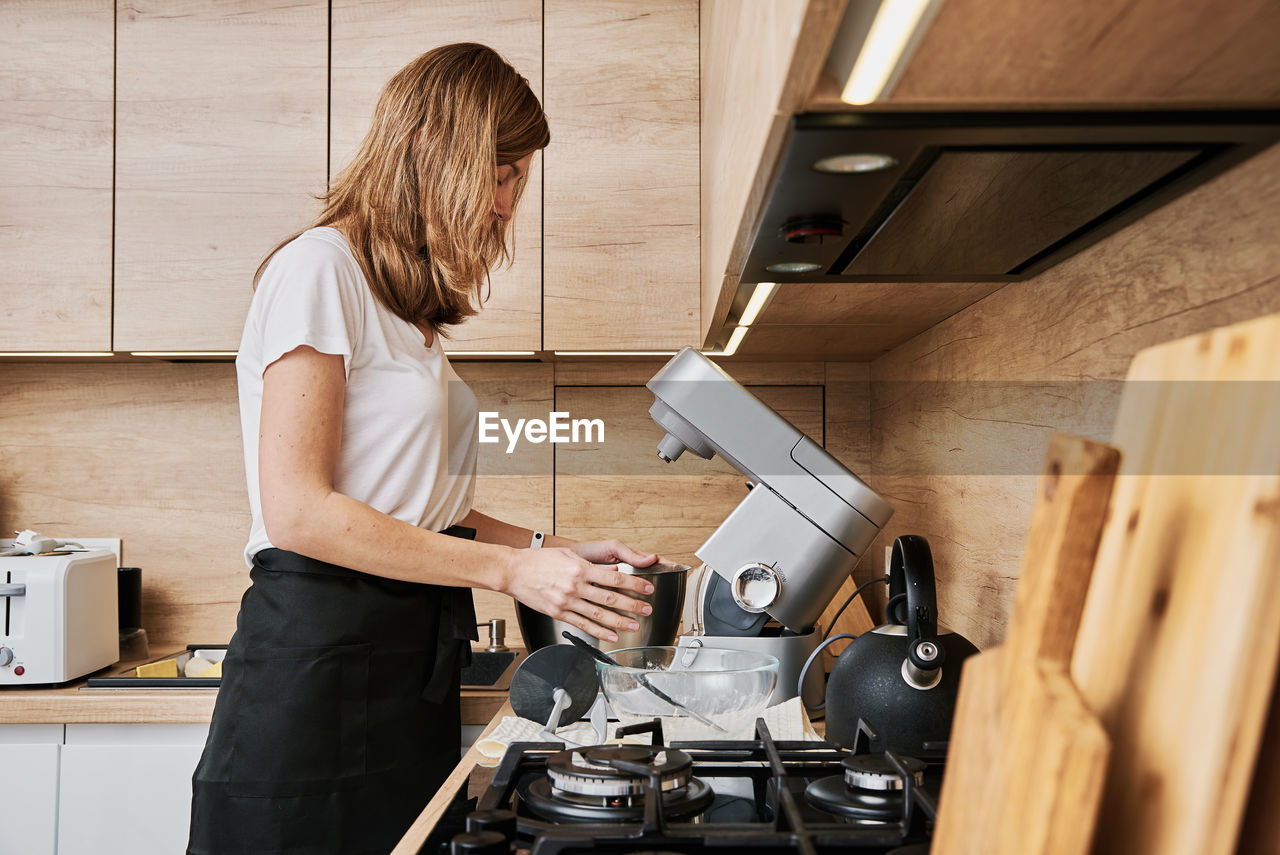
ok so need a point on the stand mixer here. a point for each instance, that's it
(788, 546)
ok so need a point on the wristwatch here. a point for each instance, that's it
(536, 542)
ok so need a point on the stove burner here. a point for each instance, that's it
(877, 772)
(870, 791)
(594, 771)
(560, 806)
(588, 785)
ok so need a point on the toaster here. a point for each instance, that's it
(58, 616)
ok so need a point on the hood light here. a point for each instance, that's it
(793, 267)
(845, 164)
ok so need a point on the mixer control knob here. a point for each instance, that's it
(6, 656)
(755, 587)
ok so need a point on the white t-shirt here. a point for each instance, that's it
(408, 422)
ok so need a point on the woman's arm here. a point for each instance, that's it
(299, 435)
(491, 530)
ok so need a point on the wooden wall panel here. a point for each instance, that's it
(843, 342)
(147, 453)
(55, 174)
(851, 303)
(221, 127)
(1096, 51)
(107, 451)
(374, 40)
(621, 200)
(847, 418)
(961, 415)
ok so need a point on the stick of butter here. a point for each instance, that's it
(163, 668)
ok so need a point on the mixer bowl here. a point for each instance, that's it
(729, 687)
(659, 627)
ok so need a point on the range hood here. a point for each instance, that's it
(979, 197)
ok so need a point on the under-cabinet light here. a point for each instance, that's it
(458, 354)
(759, 297)
(185, 354)
(897, 25)
(735, 339)
(58, 353)
(614, 352)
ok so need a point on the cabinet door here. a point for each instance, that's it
(126, 788)
(29, 758)
(55, 175)
(221, 126)
(621, 200)
(372, 41)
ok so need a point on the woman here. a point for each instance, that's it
(338, 715)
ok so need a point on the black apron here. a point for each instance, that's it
(337, 718)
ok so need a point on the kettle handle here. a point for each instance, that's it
(911, 565)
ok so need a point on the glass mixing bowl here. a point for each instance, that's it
(728, 687)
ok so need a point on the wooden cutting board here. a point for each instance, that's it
(1027, 759)
(1260, 832)
(1179, 641)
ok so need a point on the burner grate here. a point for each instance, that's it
(777, 774)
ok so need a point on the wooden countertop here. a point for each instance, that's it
(73, 703)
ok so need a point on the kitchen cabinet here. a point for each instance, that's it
(106, 789)
(29, 758)
(748, 96)
(55, 175)
(621, 263)
(221, 133)
(371, 41)
(1139, 53)
(217, 160)
(126, 788)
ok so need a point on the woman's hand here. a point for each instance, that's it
(567, 585)
(612, 551)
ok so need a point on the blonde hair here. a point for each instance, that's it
(416, 202)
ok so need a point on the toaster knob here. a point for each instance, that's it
(6, 656)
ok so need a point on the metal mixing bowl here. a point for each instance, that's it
(728, 687)
(658, 628)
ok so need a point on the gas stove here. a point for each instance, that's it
(762, 796)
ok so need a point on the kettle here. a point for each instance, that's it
(900, 679)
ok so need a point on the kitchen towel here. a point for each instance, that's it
(786, 721)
